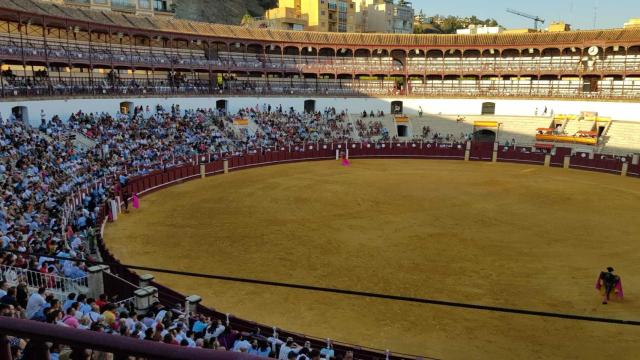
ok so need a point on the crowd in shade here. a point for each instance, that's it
(42, 167)
(169, 325)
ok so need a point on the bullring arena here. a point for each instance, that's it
(246, 192)
(447, 230)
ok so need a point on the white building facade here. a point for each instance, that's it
(384, 16)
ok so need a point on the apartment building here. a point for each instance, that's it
(138, 7)
(384, 16)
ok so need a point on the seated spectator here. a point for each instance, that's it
(36, 302)
(10, 297)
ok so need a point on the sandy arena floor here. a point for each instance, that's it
(494, 234)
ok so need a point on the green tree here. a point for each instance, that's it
(450, 24)
(247, 19)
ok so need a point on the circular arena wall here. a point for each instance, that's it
(627, 111)
(535, 250)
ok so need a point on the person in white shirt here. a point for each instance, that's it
(328, 352)
(36, 302)
(94, 314)
(241, 344)
(215, 333)
(288, 347)
(190, 339)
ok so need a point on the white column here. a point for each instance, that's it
(142, 301)
(153, 293)
(494, 156)
(191, 303)
(625, 169)
(114, 209)
(467, 152)
(225, 165)
(145, 280)
(96, 280)
(567, 162)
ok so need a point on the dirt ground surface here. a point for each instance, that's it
(494, 234)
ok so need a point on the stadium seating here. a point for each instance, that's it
(74, 173)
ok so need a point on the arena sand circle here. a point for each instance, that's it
(493, 234)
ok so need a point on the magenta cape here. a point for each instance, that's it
(618, 289)
(136, 201)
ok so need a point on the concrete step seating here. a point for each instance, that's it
(623, 138)
(575, 125)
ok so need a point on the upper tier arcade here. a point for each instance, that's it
(57, 50)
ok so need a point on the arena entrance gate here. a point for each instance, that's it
(481, 151)
(403, 130)
(309, 106)
(396, 107)
(484, 136)
(126, 107)
(21, 113)
(222, 105)
(488, 108)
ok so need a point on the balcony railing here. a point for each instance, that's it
(36, 279)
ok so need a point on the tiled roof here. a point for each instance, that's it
(230, 32)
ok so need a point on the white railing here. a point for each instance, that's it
(35, 279)
(125, 302)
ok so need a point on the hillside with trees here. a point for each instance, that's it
(449, 24)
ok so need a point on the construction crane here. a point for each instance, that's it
(536, 19)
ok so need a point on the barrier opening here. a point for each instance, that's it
(309, 106)
(21, 113)
(403, 130)
(222, 105)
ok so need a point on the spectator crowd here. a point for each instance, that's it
(56, 177)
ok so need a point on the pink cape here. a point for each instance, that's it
(345, 162)
(136, 201)
(618, 289)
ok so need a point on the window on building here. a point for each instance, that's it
(128, 5)
(160, 5)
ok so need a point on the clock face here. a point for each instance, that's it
(593, 51)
